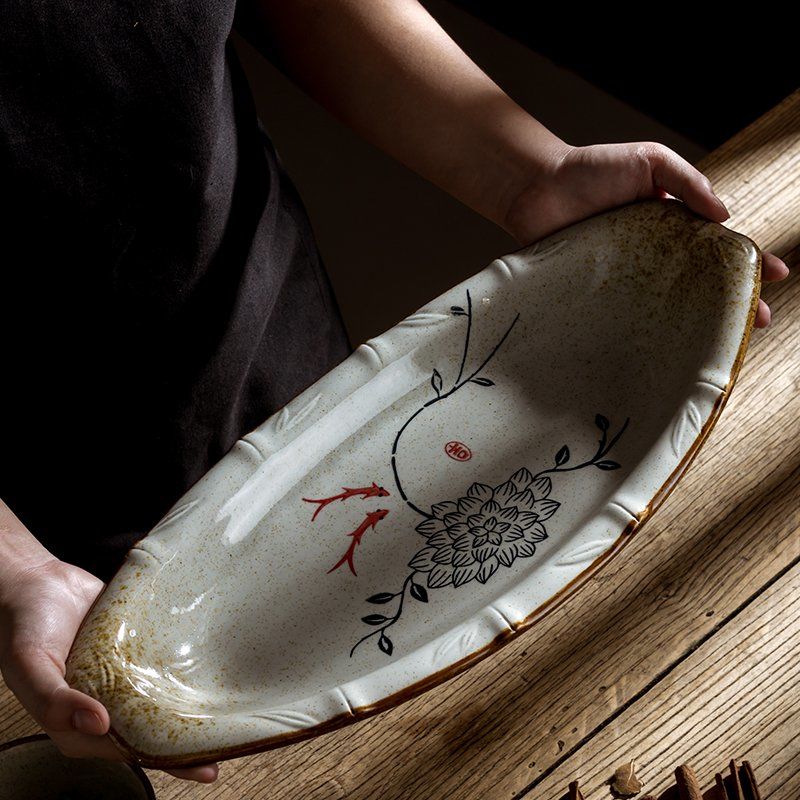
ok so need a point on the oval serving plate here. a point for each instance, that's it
(433, 495)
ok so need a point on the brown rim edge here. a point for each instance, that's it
(41, 737)
(554, 602)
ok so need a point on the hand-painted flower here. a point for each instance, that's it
(469, 538)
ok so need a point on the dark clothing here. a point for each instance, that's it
(161, 292)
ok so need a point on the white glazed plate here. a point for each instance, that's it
(431, 496)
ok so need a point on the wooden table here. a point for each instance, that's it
(685, 649)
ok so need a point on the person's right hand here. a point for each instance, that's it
(41, 608)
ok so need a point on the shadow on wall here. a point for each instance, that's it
(390, 240)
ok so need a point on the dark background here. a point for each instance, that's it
(704, 74)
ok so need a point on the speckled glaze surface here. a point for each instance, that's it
(433, 495)
(33, 769)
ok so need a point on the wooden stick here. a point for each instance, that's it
(736, 784)
(688, 787)
(721, 789)
(749, 784)
(574, 791)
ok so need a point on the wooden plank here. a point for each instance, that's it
(724, 534)
(737, 696)
(14, 720)
(757, 175)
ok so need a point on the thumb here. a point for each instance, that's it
(37, 679)
(678, 177)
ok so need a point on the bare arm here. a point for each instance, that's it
(388, 70)
(19, 549)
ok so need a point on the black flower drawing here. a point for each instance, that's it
(471, 537)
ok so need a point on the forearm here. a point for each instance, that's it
(389, 71)
(19, 549)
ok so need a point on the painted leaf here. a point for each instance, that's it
(419, 593)
(385, 644)
(483, 381)
(601, 422)
(607, 465)
(436, 381)
(374, 619)
(381, 597)
(562, 456)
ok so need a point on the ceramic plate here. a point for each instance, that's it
(430, 497)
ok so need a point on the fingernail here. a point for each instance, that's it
(87, 722)
(208, 774)
(723, 207)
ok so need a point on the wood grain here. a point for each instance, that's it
(522, 719)
(737, 696)
(757, 176)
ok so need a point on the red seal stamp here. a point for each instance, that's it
(458, 451)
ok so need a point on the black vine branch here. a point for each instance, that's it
(598, 459)
(437, 385)
(381, 622)
(456, 310)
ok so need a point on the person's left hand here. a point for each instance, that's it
(40, 612)
(582, 181)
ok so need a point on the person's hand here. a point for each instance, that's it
(582, 181)
(41, 608)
